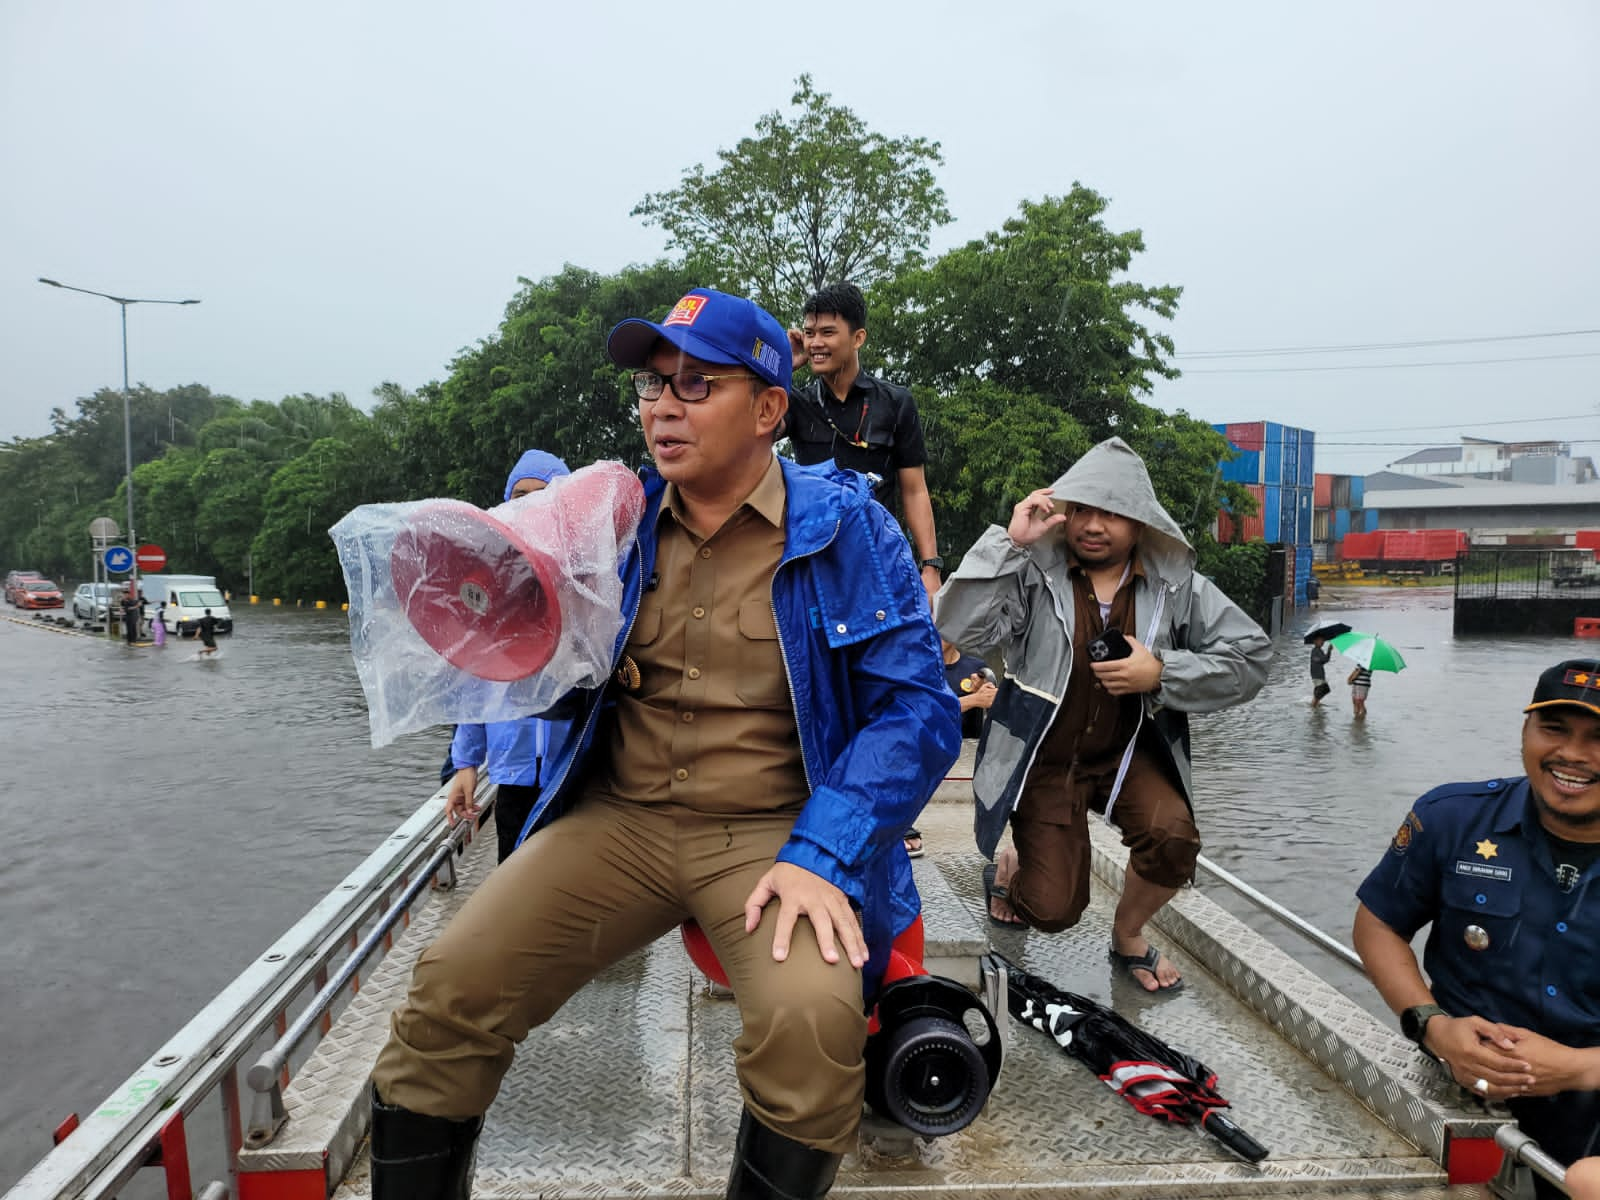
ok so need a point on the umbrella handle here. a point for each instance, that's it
(1231, 1136)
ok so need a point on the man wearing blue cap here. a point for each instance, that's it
(777, 715)
(512, 751)
(1508, 874)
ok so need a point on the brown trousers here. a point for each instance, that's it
(601, 882)
(1051, 887)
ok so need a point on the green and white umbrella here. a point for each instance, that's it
(1369, 650)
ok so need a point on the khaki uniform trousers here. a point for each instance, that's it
(1051, 887)
(600, 882)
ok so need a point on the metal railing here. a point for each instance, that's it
(299, 978)
(1273, 909)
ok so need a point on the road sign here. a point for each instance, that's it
(119, 559)
(151, 557)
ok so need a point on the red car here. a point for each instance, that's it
(38, 593)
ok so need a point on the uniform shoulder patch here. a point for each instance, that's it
(1409, 828)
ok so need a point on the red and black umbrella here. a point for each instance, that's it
(1157, 1079)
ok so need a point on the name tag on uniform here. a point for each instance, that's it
(1482, 870)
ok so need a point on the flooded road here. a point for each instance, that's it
(170, 817)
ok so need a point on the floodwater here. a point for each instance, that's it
(170, 817)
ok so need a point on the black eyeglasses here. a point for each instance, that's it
(689, 386)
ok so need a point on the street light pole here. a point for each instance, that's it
(122, 302)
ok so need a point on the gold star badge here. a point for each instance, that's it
(1487, 849)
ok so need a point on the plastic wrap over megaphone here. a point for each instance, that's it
(458, 614)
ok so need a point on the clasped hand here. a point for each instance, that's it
(1513, 1061)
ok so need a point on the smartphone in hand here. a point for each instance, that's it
(1109, 646)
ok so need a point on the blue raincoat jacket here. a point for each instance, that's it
(878, 724)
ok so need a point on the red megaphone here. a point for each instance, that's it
(484, 589)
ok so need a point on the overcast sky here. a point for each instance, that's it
(352, 189)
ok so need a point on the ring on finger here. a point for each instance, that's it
(1481, 1086)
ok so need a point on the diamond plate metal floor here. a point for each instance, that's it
(630, 1090)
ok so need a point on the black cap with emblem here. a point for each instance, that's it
(1576, 681)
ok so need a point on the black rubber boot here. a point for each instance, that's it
(769, 1166)
(416, 1157)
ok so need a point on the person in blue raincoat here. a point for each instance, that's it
(512, 751)
(777, 716)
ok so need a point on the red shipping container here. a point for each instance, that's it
(1248, 435)
(1322, 491)
(1588, 539)
(1361, 545)
(1254, 527)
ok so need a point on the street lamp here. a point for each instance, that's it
(122, 302)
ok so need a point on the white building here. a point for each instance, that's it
(1515, 462)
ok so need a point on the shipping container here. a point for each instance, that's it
(1272, 512)
(1302, 521)
(1358, 488)
(1322, 491)
(1254, 526)
(1247, 435)
(1341, 493)
(1371, 522)
(1308, 458)
(1320, 526)
(1357, 546)
(1246, 468)
(1341, 524)
(1588, 539)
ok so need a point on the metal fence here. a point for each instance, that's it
(1517, 591)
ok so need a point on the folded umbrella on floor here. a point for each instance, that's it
(1370, 650)
(1157, 1079)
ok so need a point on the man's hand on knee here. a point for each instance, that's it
(801, 894)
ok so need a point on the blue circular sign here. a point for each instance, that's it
(119, 559)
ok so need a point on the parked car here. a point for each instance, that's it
(14, 584)
(90, 601)
(38, 593)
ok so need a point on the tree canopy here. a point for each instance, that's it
(812, 199)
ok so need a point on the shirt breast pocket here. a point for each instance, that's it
(1480, 914)
(762, 681)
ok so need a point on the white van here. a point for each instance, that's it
(187, 597)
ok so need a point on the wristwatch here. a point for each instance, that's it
(935, 562)
(1414, 1021)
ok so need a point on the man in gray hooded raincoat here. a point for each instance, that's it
(1083, 721)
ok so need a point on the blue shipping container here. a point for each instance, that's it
(1303, 516)
(1287, 515)
(1372, 520)
(1244, 469)
(1271, 512)
(1308, 458)
(1358, 487)
(1341, 523)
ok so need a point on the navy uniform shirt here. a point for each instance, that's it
(1509, 942)
(875, 429)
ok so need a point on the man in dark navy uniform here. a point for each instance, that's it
(1508, 873)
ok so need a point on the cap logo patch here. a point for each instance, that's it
(765, 355)
(1581, 679)
(686, 311)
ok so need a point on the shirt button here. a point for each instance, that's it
(687, 717)
(1481, 898)
(881, 614)
(1551, 990)
(841, 629)
(694, 672)
(1492, 784)
(705, 552)
(1561, 926)
(680, 774)
(698, 612)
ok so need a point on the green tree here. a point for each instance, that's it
(811, 199)
(1041, 306)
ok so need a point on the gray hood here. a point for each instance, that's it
(1112, 477)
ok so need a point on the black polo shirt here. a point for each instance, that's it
(874, 429)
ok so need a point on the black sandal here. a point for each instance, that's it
(1144, 962)
(913, 835)
(993, 891)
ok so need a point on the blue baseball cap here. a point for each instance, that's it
(714, 327)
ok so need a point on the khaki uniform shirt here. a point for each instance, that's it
(710, 723)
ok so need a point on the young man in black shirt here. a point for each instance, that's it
(859, 421)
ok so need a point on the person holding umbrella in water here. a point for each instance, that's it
(1318, 640)
(1370, 653)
